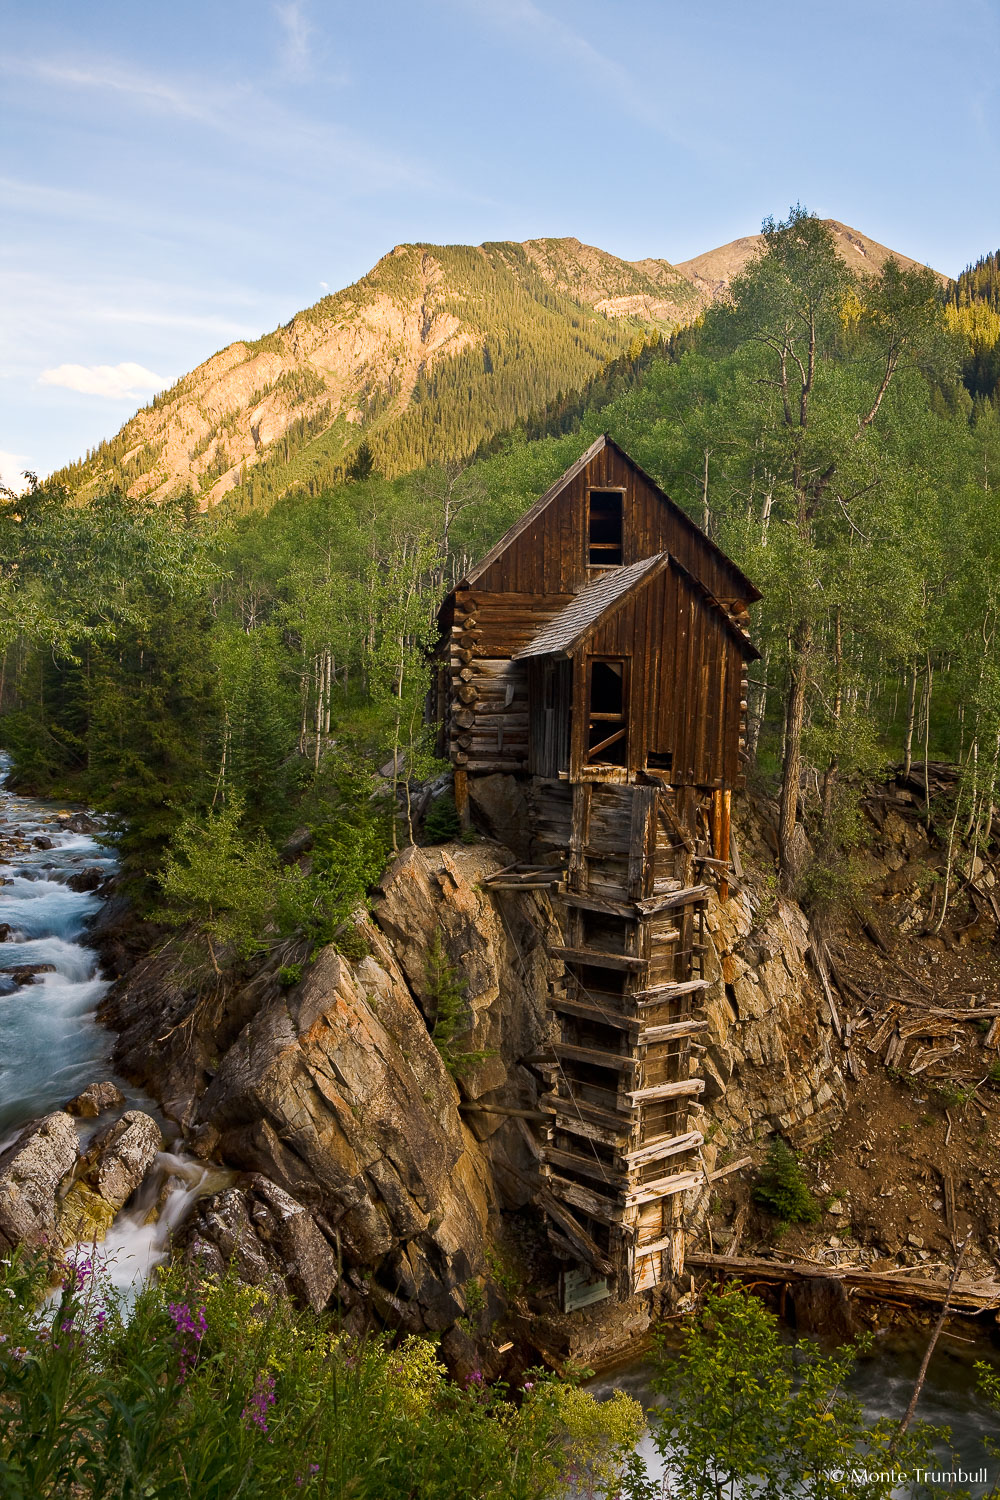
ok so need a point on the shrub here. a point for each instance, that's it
(215, 1389)
(750, 1413)
(781, 1188)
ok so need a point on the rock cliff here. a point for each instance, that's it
(372, 1171)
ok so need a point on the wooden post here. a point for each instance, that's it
(462, 796)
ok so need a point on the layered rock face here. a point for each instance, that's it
(333, 1093)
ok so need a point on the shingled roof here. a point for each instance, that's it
(573, 623)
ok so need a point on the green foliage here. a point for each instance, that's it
(781, 1188)
(441, 822)
(217, 1390)
(289, 975)
(748, 1412)
(447, 1001)
(222, 881)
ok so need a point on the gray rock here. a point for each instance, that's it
(31, 1172)
(82, 823)
(268, 1238)
(42, 841)
(119, 1159)
(96, 1099)
(25, 973)
(86, 880)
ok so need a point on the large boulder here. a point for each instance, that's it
(495, 944)
(120, 1157)
(268, 1237)
(96, 1099)
(32, 1170)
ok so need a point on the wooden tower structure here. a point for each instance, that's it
(598, 654)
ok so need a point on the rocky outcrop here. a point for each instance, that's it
(31, 1171)
(768, 1060)
(269, 1239)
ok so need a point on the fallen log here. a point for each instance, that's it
(966, 1296)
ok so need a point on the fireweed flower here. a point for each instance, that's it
(188, 1325)
(261, 1397)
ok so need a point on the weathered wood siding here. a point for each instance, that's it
(685, 685)
(551, 556)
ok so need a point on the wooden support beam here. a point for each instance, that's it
(683, 1088)
(620, 1062)
(668, 1032)
(574, 1232)
(657, 993)
(671, 1146)
(588, 1166)
(614, 1119)
(617, 1137)
(663, 1187)
(598, 959)
(653, 904)
(590, 1012)
(602, 904)
(607, 1210)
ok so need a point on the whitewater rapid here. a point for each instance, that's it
(51, 1044)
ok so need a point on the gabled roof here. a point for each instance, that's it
(577, 620)
(604, 441)
(563, 633)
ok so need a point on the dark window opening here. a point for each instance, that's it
(606, 528)
(660, 760)
(606, 722)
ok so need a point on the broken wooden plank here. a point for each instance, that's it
(669, 1146)
(684, 1087)
(663, 1187)
(658, 993)
(688, 894)
(621, 1062)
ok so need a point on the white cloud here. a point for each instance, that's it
(296, 51)
(12, 467)
(117, 382)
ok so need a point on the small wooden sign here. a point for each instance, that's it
(580, 1287)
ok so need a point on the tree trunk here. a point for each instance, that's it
(794, 719)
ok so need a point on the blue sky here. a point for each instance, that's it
(175, 177)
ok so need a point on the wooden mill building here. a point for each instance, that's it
(598, 654)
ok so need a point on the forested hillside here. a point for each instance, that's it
(437, 349)
(427, 359)
(974, 311)
(222, 680)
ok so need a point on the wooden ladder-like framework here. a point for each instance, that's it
(620, 1149)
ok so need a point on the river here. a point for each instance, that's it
(51, 1044)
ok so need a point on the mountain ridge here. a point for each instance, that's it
(435, 350)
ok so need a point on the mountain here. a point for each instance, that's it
(436, 350)
(712, 272)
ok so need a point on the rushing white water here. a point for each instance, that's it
(51, 1045)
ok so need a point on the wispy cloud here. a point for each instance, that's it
(117, 382)
(530, 22)
(295, 52)
(261, 125)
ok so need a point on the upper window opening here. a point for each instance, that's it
(606, 528)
